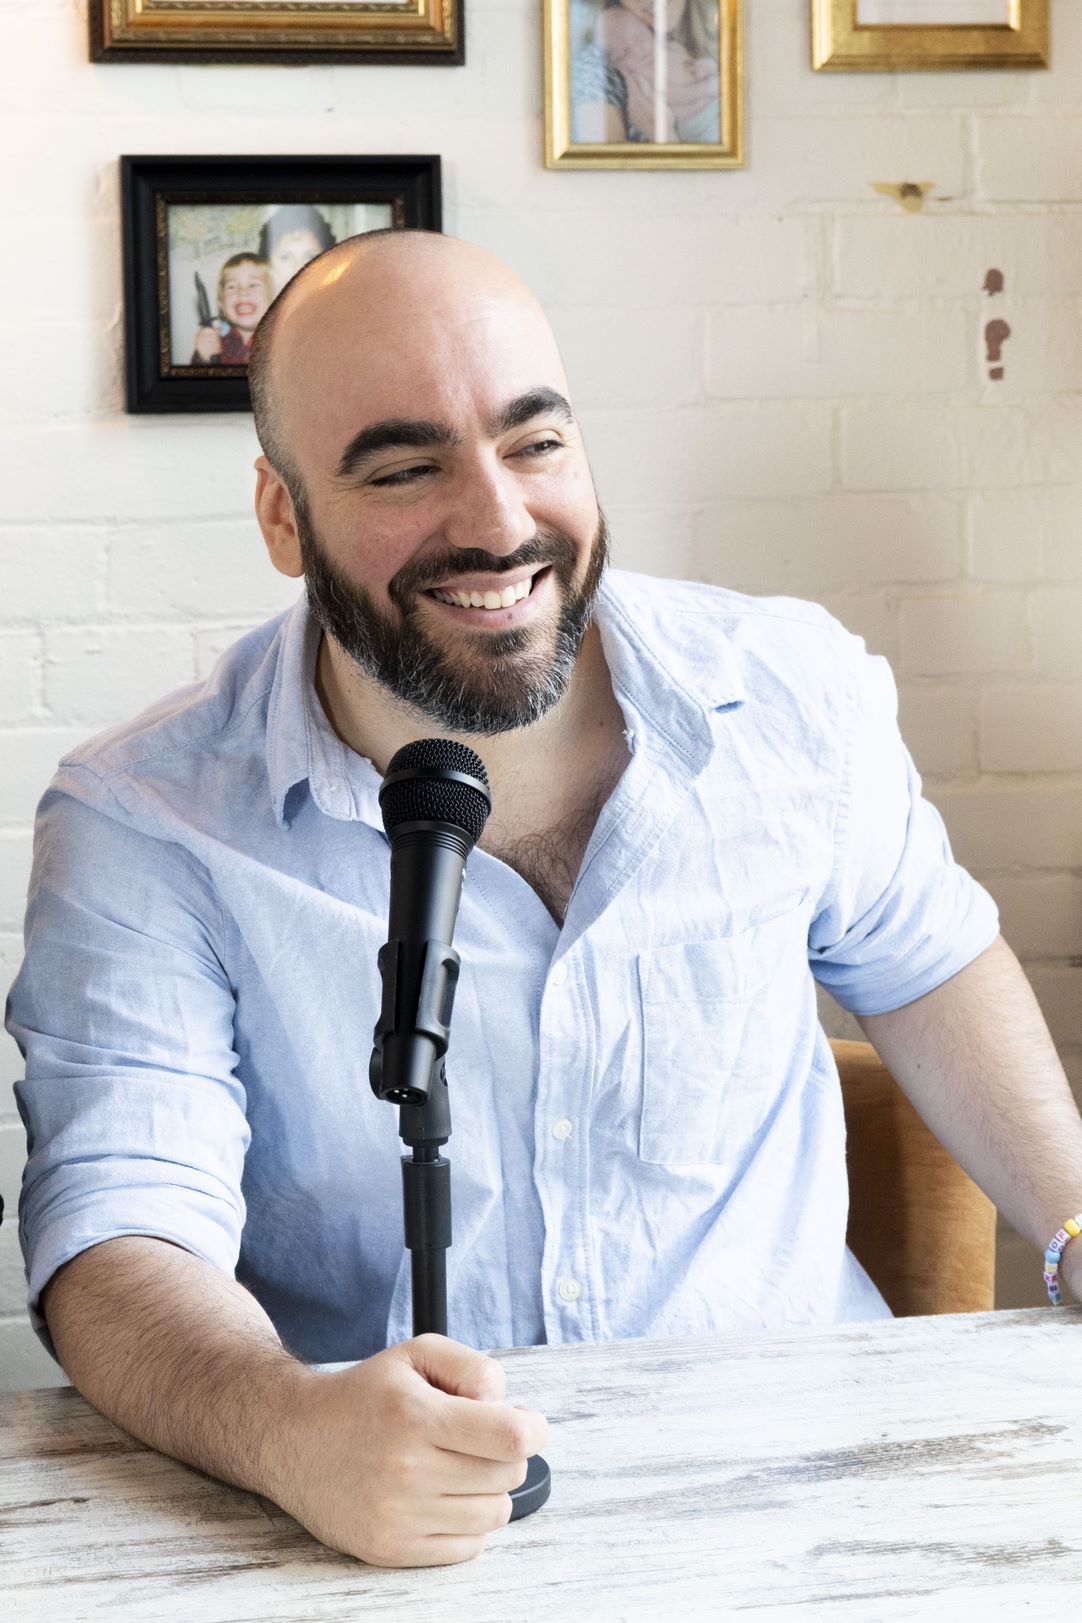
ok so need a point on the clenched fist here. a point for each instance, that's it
(407, 1459)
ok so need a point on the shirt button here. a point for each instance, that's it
(569, 1290)
(558, 975)
(562, 1128)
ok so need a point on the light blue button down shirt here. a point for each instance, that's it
(648, 1132)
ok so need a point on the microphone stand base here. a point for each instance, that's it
(534, 1491)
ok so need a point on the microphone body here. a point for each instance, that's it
(434, 801)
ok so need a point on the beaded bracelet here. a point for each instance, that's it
(1056, 1246)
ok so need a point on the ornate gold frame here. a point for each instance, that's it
(840, 46)
(562, 153)
(411, 31)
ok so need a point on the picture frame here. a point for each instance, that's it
(282, 31)
(209, 241)
(621, 93)
(907, 36)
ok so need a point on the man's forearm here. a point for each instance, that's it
(977, 1061)
(178, 1355)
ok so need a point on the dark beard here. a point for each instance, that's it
(509, 679)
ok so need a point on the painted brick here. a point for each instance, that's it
(1043, 354)
(1034, 727)
(11, 1064)
(1063, 534)
(1006, 536)
(768, 449)
(950, 636)
(947, 255)
(660, 369)
(141, 466)
(939, 725)
(53, 574)
(20, 676)
(844, 540)
(808, 161)
(1040, 915)
(30, 757)
(16, 850)
(1007, 825)
(802, 352)
(1057, 630)
(654, 540)
(903, 446)
(100, 675)
(1026, 159)
(195, 572)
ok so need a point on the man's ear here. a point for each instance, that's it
(274, 510)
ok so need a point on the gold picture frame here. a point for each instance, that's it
(618, 95)
(405, 31)
(842, 43)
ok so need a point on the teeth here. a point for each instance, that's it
(486, 600)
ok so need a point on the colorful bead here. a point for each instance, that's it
(1056, 1246)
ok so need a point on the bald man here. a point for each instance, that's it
(701, 805)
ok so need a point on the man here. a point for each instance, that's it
(696, 795)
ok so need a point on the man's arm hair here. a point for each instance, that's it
(177, 1354)
(977, 1061)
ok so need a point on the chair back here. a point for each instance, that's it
(918, 1225)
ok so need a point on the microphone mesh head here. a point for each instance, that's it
(427, 795)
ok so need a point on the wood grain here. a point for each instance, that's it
(924, 1469)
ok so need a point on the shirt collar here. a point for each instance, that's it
(672, 682)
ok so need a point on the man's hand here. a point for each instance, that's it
(408, 1458)
(404, 1460)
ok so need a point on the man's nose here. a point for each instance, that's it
(489, 511)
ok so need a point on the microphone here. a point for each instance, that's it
(435, 801)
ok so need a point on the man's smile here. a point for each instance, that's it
(493, 599)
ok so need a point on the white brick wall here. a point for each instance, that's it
(781, 375)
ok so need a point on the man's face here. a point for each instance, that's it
(244, 296)
(450, 535)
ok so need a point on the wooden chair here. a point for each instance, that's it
(920, 1227)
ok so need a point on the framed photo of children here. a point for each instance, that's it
(210, 242)
(413, 31)
(900, 36)
(644, 84)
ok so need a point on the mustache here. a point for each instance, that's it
(441, 568)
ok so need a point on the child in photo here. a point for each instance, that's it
(245, 290)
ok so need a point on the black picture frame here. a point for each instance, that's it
(282, 32)
(410, 185)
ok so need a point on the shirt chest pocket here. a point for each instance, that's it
(709, 1077)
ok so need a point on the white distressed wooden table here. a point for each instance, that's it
(927, 1468)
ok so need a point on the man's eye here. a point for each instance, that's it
(540, 447)
(403, 476)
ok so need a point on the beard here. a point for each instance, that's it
(480, 683)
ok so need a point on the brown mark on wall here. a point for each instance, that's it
(993, 282)
(996, 334)
(909, 193)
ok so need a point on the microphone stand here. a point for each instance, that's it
(426, 1174)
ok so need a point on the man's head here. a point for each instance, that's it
(420, 452)
(245, 290)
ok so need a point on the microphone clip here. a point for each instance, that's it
(404, 1061)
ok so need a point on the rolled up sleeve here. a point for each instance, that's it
(135, 1121)
(899, 915)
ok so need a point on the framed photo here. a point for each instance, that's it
(644, 84)
(410, 31)
(892, 36)
(209, 242)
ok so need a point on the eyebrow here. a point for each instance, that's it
(395, 433)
